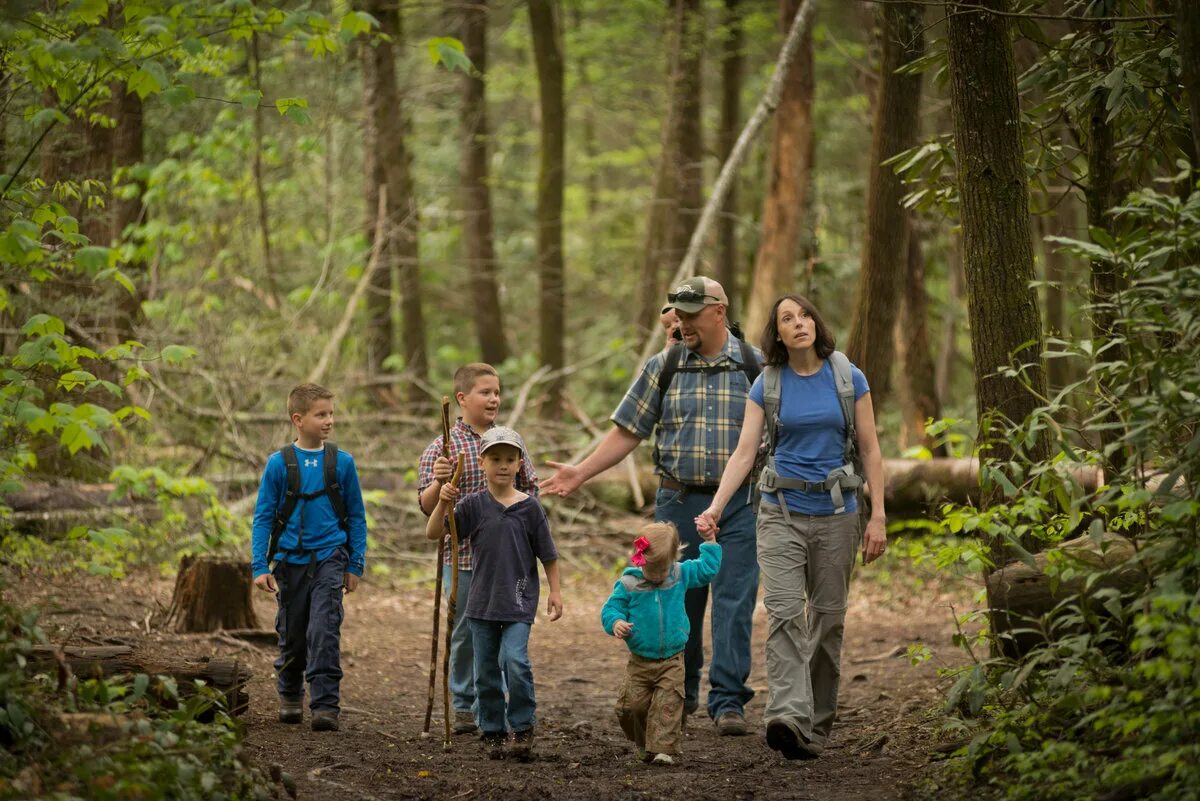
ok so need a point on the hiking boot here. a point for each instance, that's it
(325, 720)
(493, 742)
(291, 711)
(792, 744)
(464, 722)
(663, 759)
(731, 724)
(522, 746)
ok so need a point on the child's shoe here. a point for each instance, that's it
(464, 722)
(325, 720)
(663, 759)
(493, 741)
(291, 710)
(522, 747)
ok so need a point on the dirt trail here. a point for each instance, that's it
(880, 742)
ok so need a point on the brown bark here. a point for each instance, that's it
(690, 133)
(948, 348)
(128, 150)
(477, 196)
(1106, 280)
(896, 129)
(544, 25)
(731, 95)
(1006, 326)
(786, 204)
(917, 385)
(1058, 275)
(212, 594)
(1187, 31)
(260, 190)
(388, 163)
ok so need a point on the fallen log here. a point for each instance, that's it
(1021, 595)
(227, 676)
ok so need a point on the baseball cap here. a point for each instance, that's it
(694, 294)
(501, 435)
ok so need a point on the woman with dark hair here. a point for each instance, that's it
(808, 520)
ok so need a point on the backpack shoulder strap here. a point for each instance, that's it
(772, 393)
(843, 379)
(333, 490)
(669, 369)
(291, 495)
(750, 364)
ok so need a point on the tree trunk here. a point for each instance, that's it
(212, 594)
(689, 135)
(227, 676)
(1106, 281)
(1187, 31)
(128, 150)
(1058, 276)
(477, 196)
(914, 351)
(731, 96)
(388, 164)
(1006, 326)
(543, 22)
(896, 129)
(785, 206)
(260, 190)
(948, 349)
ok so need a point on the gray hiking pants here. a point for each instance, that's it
(805, 568)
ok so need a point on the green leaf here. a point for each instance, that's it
(294, 108)
(449, 52)
(178, 95)
(48, 116)
(148, 80)
(177, 354)
(119, 278)
(74, 379)
(43, 324)
(89, 12)
(251, 99)
(93, 258)
(357, 22)
(77, 436)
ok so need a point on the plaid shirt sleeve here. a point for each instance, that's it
(425, 466)
(528, 480)
(639, 409)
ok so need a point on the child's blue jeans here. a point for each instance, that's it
(502, 650)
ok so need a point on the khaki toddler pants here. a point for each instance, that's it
(650, 707)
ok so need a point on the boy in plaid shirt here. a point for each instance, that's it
(477, 391)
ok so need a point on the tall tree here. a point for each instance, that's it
(387, 163)
(260, 189)
(1006, 325)
(678, 182)
(884, 266)
(1187, 30)
(477, 196)
(785, 206)
(731, 95)
(917, 373)
(128, 150)
(547, 50)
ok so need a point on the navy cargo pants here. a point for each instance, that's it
(309, 623)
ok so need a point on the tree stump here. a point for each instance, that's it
(212, 594)
(1020, 595)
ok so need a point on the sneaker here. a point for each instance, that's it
(790, 743)
(493, 741)
(731, 724)
(291, 711)
(325, 720)
(464, 722)
(522, 746)
(663, 759)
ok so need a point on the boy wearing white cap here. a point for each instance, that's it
(509, 534)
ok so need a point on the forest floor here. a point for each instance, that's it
(884, 741)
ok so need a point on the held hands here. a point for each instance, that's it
(563, 482)
(266, 583)
(349, 582)
(443, 471)
(448, 494)
(554, 607)
(874, 540)
(622, 629)
(706, 524)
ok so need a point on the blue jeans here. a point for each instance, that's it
(733, 591)
(462, 655)
(309, 624)
(502, 650)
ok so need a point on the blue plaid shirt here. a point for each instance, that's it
(701, 414)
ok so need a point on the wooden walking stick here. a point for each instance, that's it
(451, 602)
(437, 591)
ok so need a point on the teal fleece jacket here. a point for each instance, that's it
(660, 622)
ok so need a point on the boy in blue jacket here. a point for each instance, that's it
(646, 609)
(310, 521)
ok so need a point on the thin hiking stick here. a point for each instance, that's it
(437, 590)
(451, 602)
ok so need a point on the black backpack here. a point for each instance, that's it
(293, 495)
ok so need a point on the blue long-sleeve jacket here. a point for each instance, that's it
(660, 622)
(320, 525)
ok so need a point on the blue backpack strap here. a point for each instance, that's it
(333, 490)
(291, 495)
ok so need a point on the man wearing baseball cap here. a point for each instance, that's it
(691, 397)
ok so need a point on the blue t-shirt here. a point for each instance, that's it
(812, 433)
(506, 544)
(313, 525)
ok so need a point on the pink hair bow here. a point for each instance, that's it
(639, 554)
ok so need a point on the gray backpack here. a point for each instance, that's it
(846, 477)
